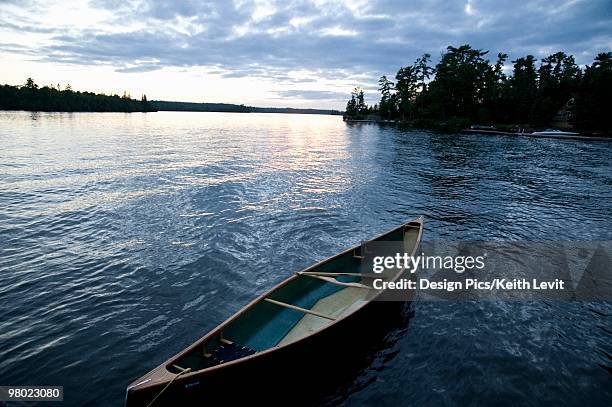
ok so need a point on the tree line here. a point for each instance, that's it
(467, 88)
(30, 96)
(50, 98)
(233, 108)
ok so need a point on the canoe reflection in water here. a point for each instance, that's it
(294, 344)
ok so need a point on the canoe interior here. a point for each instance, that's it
(265, 325)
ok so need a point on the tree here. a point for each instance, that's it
(30, 84)
(356, 106)
(386, 106)
(459, 85)
(558, 79)
(495, 87)
(351, 106)
(524, 88)
(500, 77)
(593, 102)
(360, 106)
(385, 86)
(406, 88)
(423, 71)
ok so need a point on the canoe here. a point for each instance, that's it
(292, 329)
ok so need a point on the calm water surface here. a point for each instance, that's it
(125, 237)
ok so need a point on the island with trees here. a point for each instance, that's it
(466, 89)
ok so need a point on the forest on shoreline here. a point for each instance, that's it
(52, 98)
(465, 88)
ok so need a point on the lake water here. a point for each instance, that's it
(126, 237)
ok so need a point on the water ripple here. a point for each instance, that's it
(123, 238)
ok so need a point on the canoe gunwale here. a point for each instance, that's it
(151, 379)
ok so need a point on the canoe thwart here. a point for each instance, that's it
(300, 309)
(181, 369)
(332, 274)
(357, 256)
(334, 281)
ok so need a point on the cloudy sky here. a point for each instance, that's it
(267, 53)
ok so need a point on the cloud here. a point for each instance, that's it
(140, 68)
(343, 41)
(311, 94)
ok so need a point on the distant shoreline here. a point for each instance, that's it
(158, 111)
(163, 105)
(32, 98)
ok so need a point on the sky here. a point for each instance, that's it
(274, 53)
